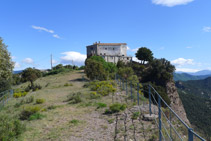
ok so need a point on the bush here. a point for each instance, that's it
(19, 94)
(94, 95)
(74, 122)
(75, 98)
(102, 87)
(36, 116)
(51, 107)
(25, 114)
(101, 105)
(10, 128)
(24, 101)
(135, 115)
(115, 108)
(68, 84)
(40, 101)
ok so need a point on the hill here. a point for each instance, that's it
(196, 98)
(186, 77)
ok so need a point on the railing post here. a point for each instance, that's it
(170, 125)
(126, 86)
(123, 84)
(190, 134)
(138, 92)
(159, 114)
(150, 111)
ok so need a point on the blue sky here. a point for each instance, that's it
(178, 30)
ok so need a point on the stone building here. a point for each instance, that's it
(111, 52)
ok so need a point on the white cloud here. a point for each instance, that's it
(187, 70)
(28, 61)
(134, 50)
(54, 62)
(182, 62)
(13, 57)
(56, 36)
(171, 3)
(73, 57)
(128, 48)
(207, 29)
(42, 29)
(17, 65)
(136, 60)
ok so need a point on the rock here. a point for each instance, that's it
(176, 103)
(148, 117)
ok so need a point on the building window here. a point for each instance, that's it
(113, 48)
(127, 58)
(105, 48)
(91, 48)
(100, 53)
(104, 54)
(122, 55)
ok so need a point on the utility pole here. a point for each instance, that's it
(51, 62)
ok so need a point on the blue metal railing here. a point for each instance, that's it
(4, 97)
(163, 120)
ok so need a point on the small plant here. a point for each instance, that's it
(115, 108)
(26, 113)
(29, 99)
(24, 101)
(101, 105)
(51, 107)
(19, 94)
(111, 121)
(36, 116)
(68, 84)
(10, 128)
(74, 122)
(135, 115)
(75, 98)
(94, 95)
(40, 101)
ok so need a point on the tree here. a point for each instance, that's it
(31, 75)
(125, 72)
(94, 70)
(144, 54)
(6, 67)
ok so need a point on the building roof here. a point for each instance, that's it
(110, 44)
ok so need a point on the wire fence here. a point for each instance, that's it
(171, 127)
(4, 97)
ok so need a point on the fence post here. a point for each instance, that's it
(138, 92)
(170, 125)
(159, 114)
(123, 84)
(150, 111)
(126, 86)
(190, 134)
(131, 91)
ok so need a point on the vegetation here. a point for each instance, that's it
(115, 108)
(74, 98)
(40, 101)
(144, 54)
(28, 111)
(186, 77)
(6, 67)
(30, 75)
(10, 128)
(195, 98)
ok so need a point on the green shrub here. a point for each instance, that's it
(26, 113)
(24, 101)
(36, 116)
(51, 107)
(68, 84)
(102, 87)
(74, 98)
(19, 94)
(101, 105)
(74, 122)
(10, 128)
(29, 99)
(135, 115)
(115, 108)
(40, 101)
(94, 95)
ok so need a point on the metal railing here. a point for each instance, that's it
(4, 97)
(171, 126)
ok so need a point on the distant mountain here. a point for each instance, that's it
(203, 72)
(16, 72)
(186, 77)
(196, 98)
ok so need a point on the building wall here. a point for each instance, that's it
(115, 59)
(112, 50)
(91, 50)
